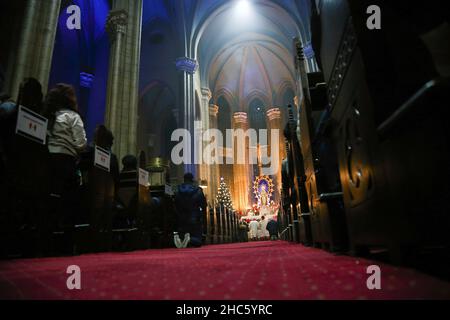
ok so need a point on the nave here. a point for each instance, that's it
(263, 270)
(93, 165)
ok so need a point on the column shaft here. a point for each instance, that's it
(241, 171)
(124, 26)
(274, 123)
(213, 169)
(35, 47)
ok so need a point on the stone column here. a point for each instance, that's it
(116, 26)
(213, 169)
(241, 171)
(205, 168)
(311, 63)
(177, 172)
(187, 68)
(296, 114)
(274, 123)
(35, 46)
(124, 26)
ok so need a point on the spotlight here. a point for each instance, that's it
(243, 6)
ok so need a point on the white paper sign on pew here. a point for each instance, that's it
(102, 158)
(168, 190)
(143, 178)
(31, 125)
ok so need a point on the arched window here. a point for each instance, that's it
(257, 114)
(224, 123)
(257, 121)
(224, 116)
(198, 112)
(157, 121)
(288, 99)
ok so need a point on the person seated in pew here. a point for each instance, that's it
(127, 195)
(23, 181)
(190, 203)
(3, 188)
(6, 104)
(66, 140)
(128, 176)
(103, 138)
(30, 96)
(100, 217)
(7, 122)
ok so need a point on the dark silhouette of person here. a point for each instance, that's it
(66, 141)
(23, 162)
(128, 192)
(190, 203)
(272, 227)
(30, 96)
(243, 231)
(101, 189)
(3, 95)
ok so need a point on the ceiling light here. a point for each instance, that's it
(243, 6)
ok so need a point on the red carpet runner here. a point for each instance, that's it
(261, 270)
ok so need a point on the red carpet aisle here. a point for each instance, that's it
(262, 270)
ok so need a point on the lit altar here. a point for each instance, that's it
(263, 190)
(264, 205)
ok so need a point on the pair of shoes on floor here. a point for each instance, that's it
(181, 244)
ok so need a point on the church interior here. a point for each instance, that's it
(111, 109)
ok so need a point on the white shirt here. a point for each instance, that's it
(68, 135)
(254, 225)
(263, 227)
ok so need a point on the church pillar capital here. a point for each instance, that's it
(116, 23)
(240, 118)
(274, 114)
(213, 110)
(206, 93)
(187, 65)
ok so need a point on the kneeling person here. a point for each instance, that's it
(190, 204)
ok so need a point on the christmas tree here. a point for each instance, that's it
(224, 195)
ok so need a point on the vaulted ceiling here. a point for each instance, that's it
(247, 55)
(259, 68)
(244, 47)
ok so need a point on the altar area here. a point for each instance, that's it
(264, 206)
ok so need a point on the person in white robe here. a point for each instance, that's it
(254, 226)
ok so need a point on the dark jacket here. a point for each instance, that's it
(190, 204)
(272, 227)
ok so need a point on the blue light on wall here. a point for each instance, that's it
(308, 51)
(86, 79)
(81, 58)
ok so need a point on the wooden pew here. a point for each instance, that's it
(144, 203)
(24, 229)
(325, 202)
(388, 126)
(209, 221)
(226, 218)
(125, 222)
(219, 222)
(98, 205)
(215, 225)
